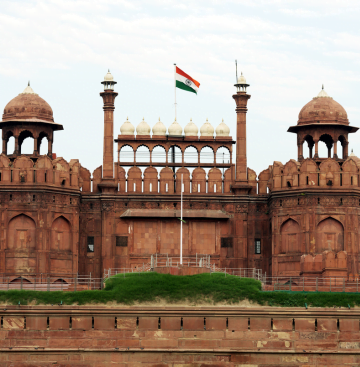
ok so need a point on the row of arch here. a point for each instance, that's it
(26, 143)
(22, 234)
(329, 236)
(197, 182)
(330, 143)
(175, 154)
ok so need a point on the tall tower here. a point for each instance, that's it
(108, 182)
(241, 98)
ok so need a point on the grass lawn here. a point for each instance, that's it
(213, 289)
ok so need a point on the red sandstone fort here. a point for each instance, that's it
(294, 219)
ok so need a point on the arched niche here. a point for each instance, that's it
(60, 235)
(329, 236)
(21, 233)
(290, 236)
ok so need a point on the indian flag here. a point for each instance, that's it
(185, 81)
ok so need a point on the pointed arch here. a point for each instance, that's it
(61, 234)
(329, 235)
(290, 236)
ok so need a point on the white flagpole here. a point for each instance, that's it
(175, 87)
(181, 220)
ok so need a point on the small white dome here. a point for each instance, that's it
(222, 129)
(143, 128)
(127, 128)
(352, 154)
(108, 77)
(322, 93)
(159, 128)
(175, 129)
(241, 79)
(191, 129)
(207, 129)
(28, 90)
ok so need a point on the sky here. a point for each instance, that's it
(286, 49)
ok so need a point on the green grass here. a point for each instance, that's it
(212, 289)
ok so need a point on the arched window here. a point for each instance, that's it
(26, 142)
(206, 155)
(191, 155)
(329, 236)
(290, 236)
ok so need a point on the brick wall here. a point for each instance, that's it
(83, 336)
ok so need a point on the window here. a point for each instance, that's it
(214, 187)
(166, 187)
(134, 186)
(90, 244)
(198, 187)
(150, 187)
(227, 242)
(121, 241)
(257, 246)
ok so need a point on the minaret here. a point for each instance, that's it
(108, 95)
(241, 99)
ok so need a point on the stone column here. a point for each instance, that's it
(335, 150)
(241, 99)
(316, 149)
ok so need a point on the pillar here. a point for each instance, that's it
(36, 152)
(17, 148)
(4, 146)
(345, 150)
(335, 150)
(50, 148)
(316, 149)
(241, 98)
(108, 153)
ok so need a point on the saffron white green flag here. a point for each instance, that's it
(185, 81)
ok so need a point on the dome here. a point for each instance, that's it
(207, 129)
(175, 128)
(241, 79)
(127, 128)
(28, 106)
(191, 129)
(143, 128)
(108, 77)
(323, 109)
(222, 129)
(159, 128)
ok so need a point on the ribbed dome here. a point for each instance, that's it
(28, 106)
(108, 77)
(191, 129)
(143, 128)
(222, 129)
(175, 129)
(159, 128)
(323, 109)
(207, 129)
(127, 128)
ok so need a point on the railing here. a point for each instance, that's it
(164, 260)
(115, 271)
(310, 284)
(49, 283)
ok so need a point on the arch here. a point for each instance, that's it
(19, 280)
(198, 181)
(28, 147)
(215, 181)
(329, 165)
(207, 154)
(43, 135)
(121, 176)
(167, 181)
(344, 143)
(329, 235)
(310, 142)
(158, 154)
(291, 167)
(191, 154)
(61, 234)
(9, 143)
(290, 236)
(329, 142)
(186, 180)
(175, 154)
(142, 154)
(59, 281)
(21, 237)
(228, 179)
(223, 155)
(150, 180)
(134, 180)
(126, 154)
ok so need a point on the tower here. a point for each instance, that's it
(241, 98)
(108, 182)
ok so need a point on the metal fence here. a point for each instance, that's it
(164, 260)
(310, 284)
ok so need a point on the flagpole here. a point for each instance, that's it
(175, 87)
(181, 220)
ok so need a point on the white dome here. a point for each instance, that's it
(127, 128)
(191, 129)
(108, 77)
(222, 129)
(175, 129)
(322, 93)
(241, 79)
(143, 128)
(207, 129)
(28, 90)
(159, 128)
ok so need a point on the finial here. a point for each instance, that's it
(127, 119)
(143, 119)
(159, 119)
(190, 119)
(207, 120)
(175, 118)
(108, 70)
(29, 83)
(241, 73)
(222, 120)
(323, 87)
(352, 150)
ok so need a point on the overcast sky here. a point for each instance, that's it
(285, 48)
